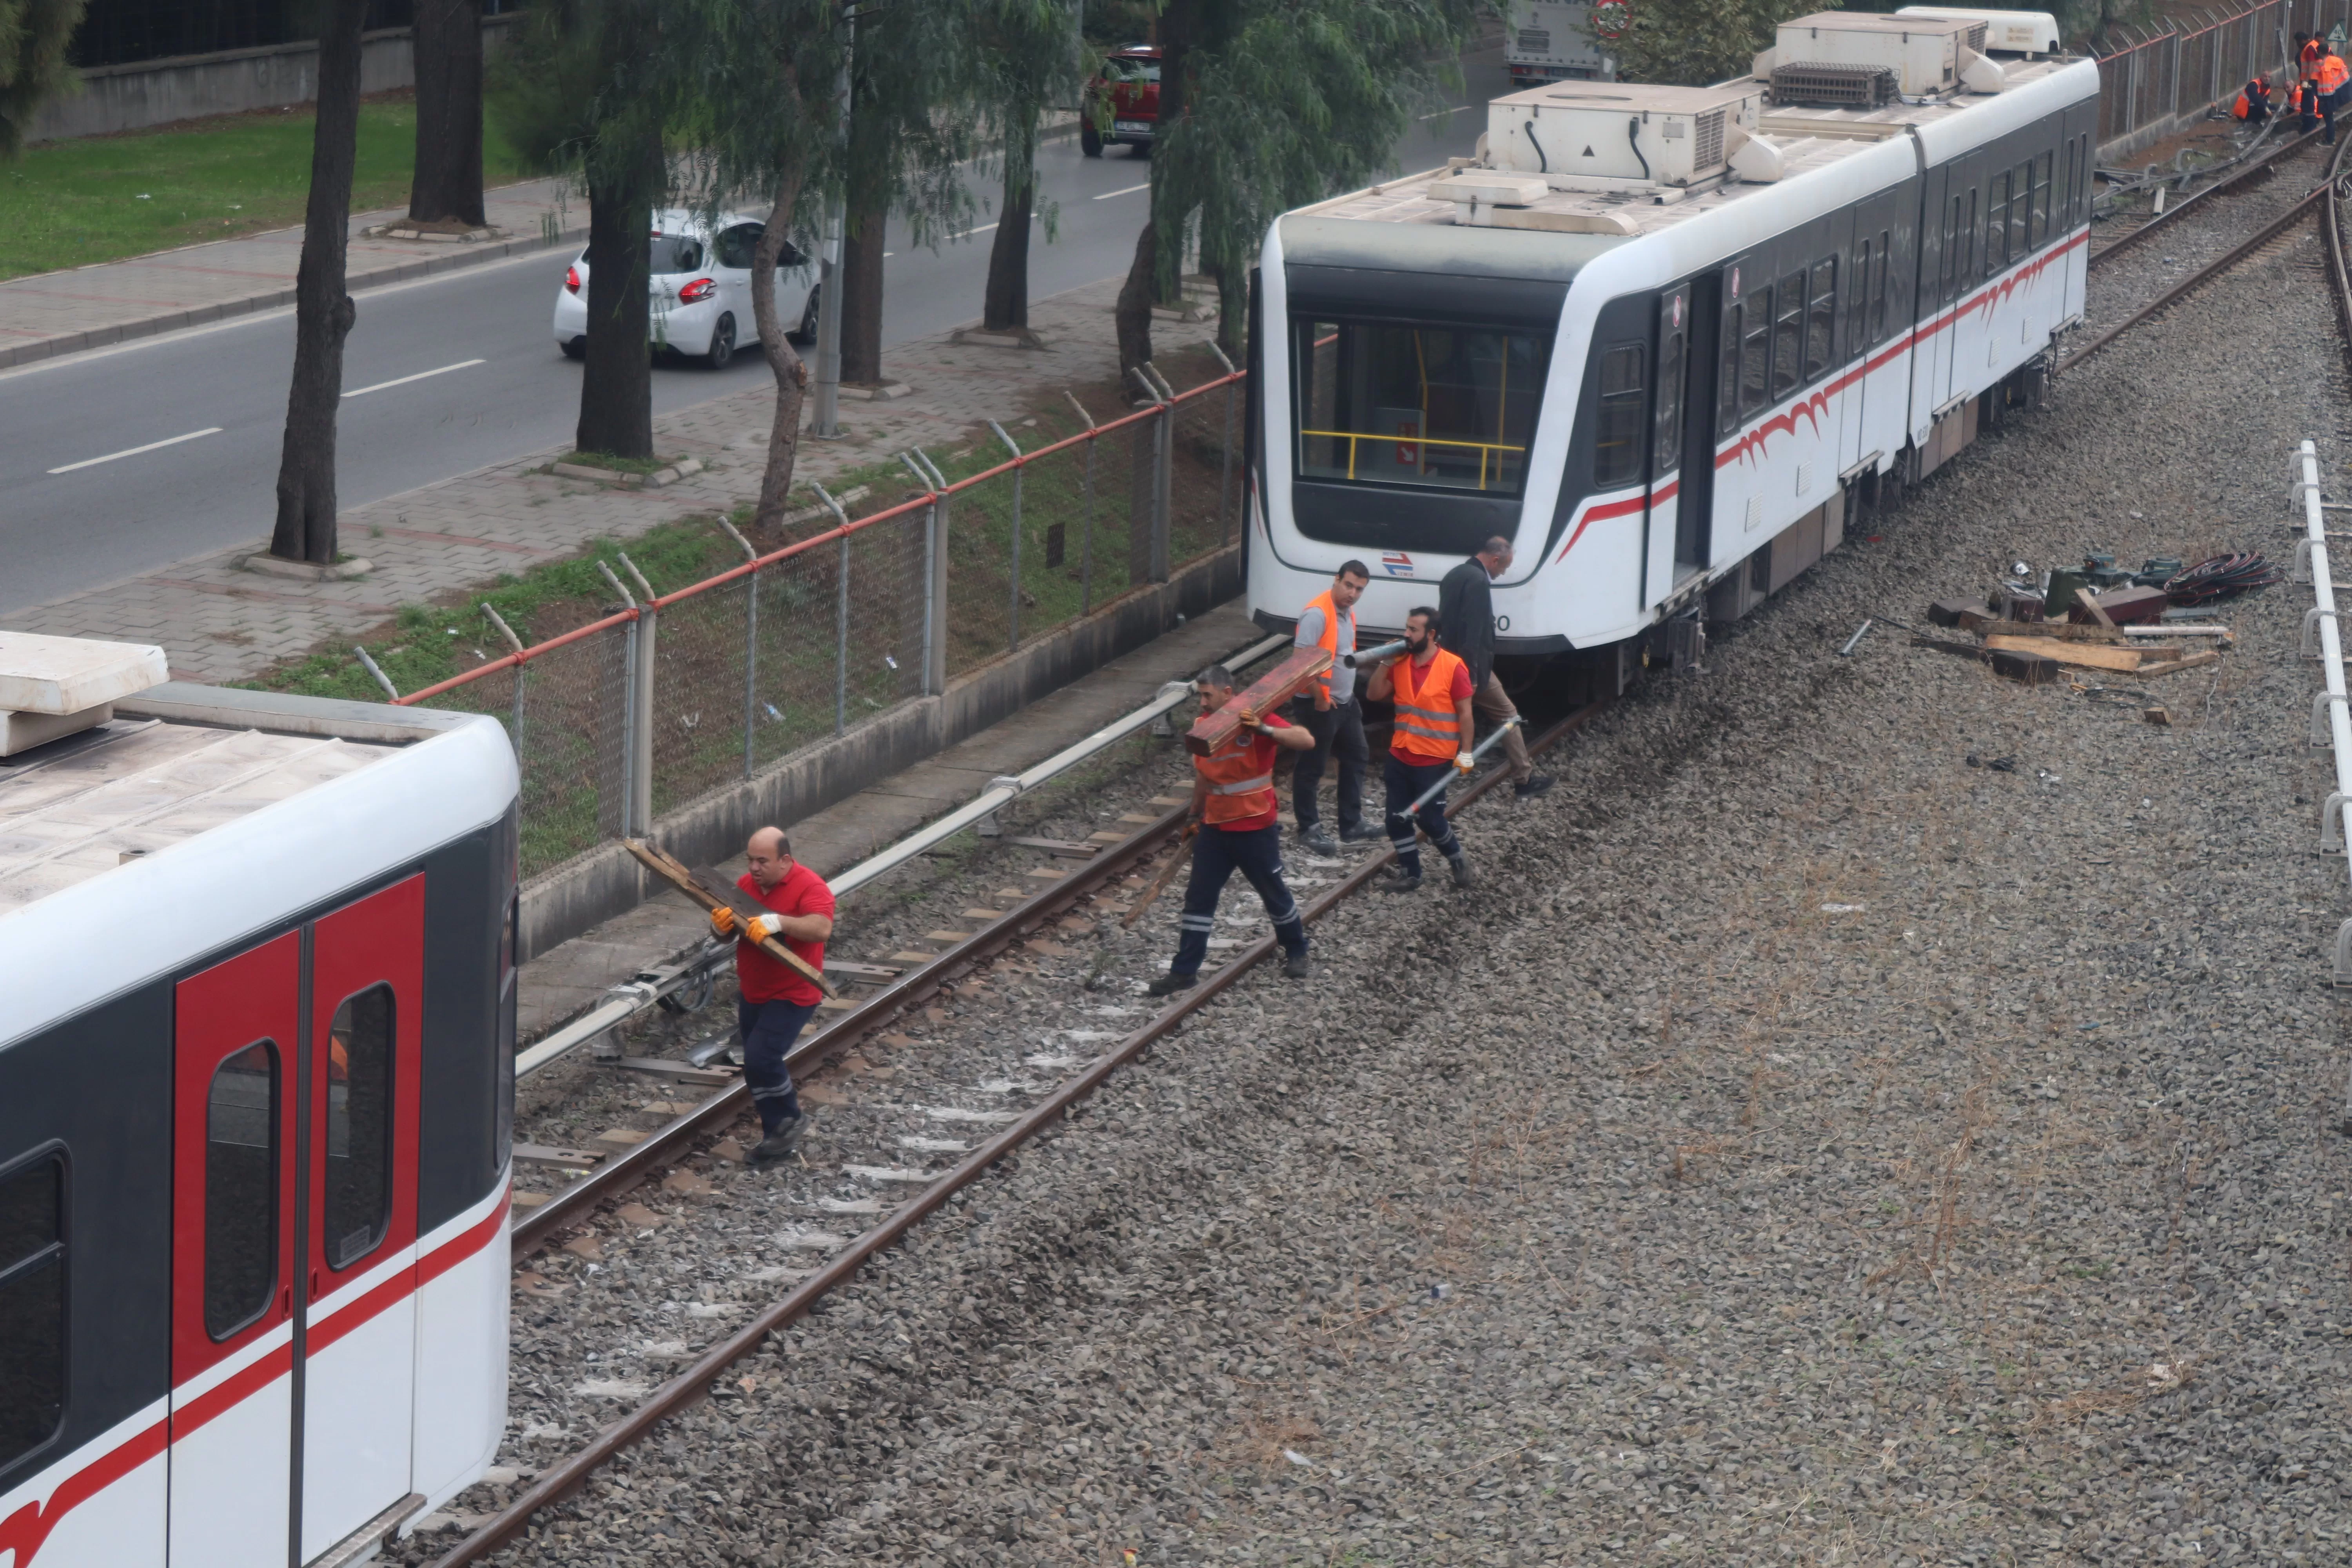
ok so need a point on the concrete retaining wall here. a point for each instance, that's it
(606, 881)
(234, 82)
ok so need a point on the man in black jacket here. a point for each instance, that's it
(1465, 608)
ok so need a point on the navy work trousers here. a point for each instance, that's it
(1337, 732)
(1405, 782)
(769, 1029)
(1216, 856)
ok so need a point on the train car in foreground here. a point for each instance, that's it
(256, 1005)
(1660, 336)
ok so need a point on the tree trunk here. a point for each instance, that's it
(1134, 309)
(324, 312)
(1232, 308)
(1133, 312)
(616, 388)
(861, 295)
(792, 374)
(1005, 306)
(447, 184)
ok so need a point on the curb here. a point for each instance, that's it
(228, 309)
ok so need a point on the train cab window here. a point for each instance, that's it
(32, 1305)
(1788, 334)
(2041, 199)
(358, 1126)
(1756, 353)
(241, 1201)
(1617, 436)
(1446, 407)
(1824, 316)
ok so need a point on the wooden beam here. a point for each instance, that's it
(2192, 661)
(2083, 656)
(1268, 692)
(670, 869)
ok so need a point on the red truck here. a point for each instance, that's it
(1122, 102)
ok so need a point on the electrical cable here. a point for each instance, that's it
(1633, 140)
(2223, 577)
(1543, 165)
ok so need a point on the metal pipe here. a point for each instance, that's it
(522, 671)
(644, 639)
(934, 660)
(2331, 665)
(1476, 751)
(1013, 615)
(1087, 544)
(381, 679)
(841, 617)
(631, 717)
(1378, 655)
(750, 640)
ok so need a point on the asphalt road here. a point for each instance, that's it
(169, 447)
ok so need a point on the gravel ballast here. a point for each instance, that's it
(1811, 1141)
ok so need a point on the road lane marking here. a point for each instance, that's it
(1129, 192)
(420, 375)
(967, 234)
(1443, 112)
(134, 451)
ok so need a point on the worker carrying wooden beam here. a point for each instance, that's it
(1236, 823)
(776, 999)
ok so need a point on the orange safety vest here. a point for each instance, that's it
(1330, 640)
(1427, 728)
(2314, 51)
(2332, 74)
(2239, 108)
(1237, 788)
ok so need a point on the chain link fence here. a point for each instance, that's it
(629, 717)
(2157, 80)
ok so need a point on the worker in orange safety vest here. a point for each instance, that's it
(1330, 713)
(2329, 85)
(1432, 690)
(1237, 816)
(2254, 104)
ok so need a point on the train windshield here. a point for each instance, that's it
(1431, 406)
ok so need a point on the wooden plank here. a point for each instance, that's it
(862, 971)
(1109, 837)
(2191, 661)
(622, 1137)
(670, 870)
(1263, 695)
(2082, 656)
(1057, 847)
(681, 1072)
(566, 1159)
(2064, 631)
(2090, 603)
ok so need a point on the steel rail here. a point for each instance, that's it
(2267, 163)
(691, 1386)
(2199, 278)
(2331, 228)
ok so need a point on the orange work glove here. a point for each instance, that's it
(722, 921)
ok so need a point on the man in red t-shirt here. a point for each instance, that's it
(1235, 812)
(776, 1001)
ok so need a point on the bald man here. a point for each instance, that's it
(776, 1001)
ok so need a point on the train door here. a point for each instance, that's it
(236, 1033)
(1663, 533)
(1863, 427)
(1695, 494)
(357, 1346)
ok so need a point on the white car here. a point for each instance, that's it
(701, 288)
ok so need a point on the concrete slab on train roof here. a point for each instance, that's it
(561, 983)
(70, 675)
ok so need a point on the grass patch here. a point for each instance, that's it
(101, 198)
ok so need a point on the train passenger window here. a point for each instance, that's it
(241, 1162)
(2041, 199)
(1726, 383)
(1667, 432)
(1818, 336)
(1788, 334)
(1878, 287)
(2020, 210)
(1952, 279)
(1857, 326)
(1996, 250)
(32, 1305)
(1756, 353)
(2066, 207)
(359, 1125)
(1617, 436)
(1968, 273)
(1451, 407)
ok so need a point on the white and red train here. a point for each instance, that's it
(256, 1014)
(1658, 336)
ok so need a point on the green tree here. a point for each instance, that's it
(590, 86)
(33, 38)
(1265, 105)
(1694, 43)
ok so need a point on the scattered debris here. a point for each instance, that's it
(2156, 715)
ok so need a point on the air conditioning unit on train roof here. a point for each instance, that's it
(1931, 58)
(1606, 136)
(2006, 32)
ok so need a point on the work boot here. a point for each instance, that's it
(1533, 785)
(779, 1145)
(1295, 964)
(1401, 882)
(1316, 840)
(1169, 984)
(1461, 868)
(1358, 832)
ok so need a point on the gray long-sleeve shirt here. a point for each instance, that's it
(1465, 609)
(1310, 634)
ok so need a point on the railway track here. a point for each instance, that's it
(2254, 174)
(683, 1136)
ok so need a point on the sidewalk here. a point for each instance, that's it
(219, 622)
(52, 313)
(563, 983)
